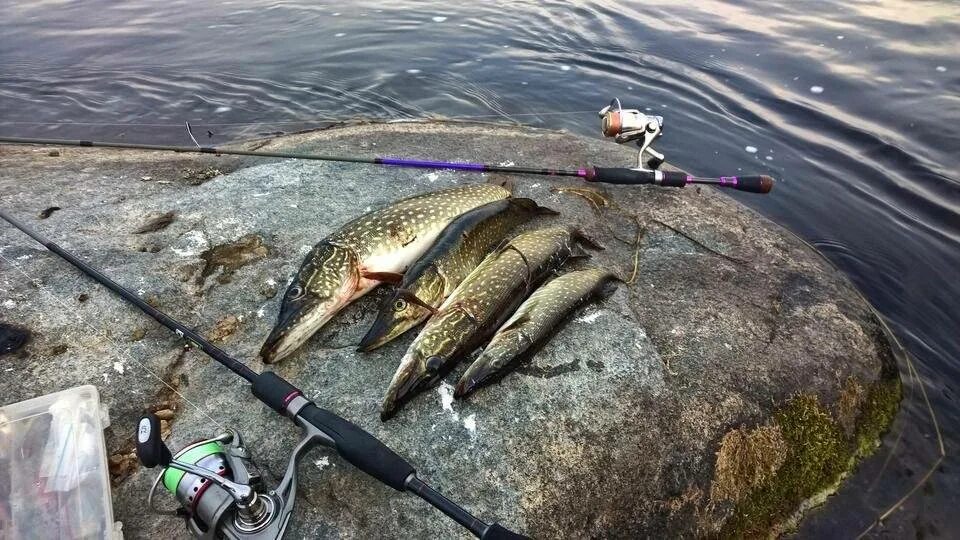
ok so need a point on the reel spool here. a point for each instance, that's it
(216, 484)
(626, 125)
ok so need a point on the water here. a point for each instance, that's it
(854, 105)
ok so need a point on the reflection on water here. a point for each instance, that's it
(855, 105)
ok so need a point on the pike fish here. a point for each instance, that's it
(456, 253)
(478, 307)
(534, 322)
(371, 249)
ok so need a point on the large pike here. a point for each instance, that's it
(478, 307)
(369, 250)
(534, 322)
(456, 253)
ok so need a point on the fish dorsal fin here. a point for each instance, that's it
(506, 184)
(393, 278)
(408, 295)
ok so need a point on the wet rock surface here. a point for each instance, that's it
(735, 348)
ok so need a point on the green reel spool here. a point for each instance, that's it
(192, 455)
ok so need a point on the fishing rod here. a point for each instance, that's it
(621, 124)
(221, 493)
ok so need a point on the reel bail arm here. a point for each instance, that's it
(626, 125)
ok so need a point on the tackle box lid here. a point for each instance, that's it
(54, 480)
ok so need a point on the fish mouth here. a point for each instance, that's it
(391, 324)
(385, 329)
(482, 372)
(468, 384)
(465, 387)
(382, 331)
(295, 329)
(404, 386)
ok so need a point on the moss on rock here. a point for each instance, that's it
(878, 410)
(820, 452)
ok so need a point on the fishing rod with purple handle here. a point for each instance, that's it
(623, 125)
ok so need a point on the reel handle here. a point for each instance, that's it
(151, 450)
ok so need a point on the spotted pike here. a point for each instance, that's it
(478, 307)
(534, 322)
(456, 253)
(373, 248)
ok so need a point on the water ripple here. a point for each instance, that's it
(856, 107)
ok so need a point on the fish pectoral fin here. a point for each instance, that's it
(462, 307)
(393, 278)
(413, 299)
(516, 323)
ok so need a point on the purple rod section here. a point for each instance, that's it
(432, 164)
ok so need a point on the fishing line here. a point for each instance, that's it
(119, 351)
(278, 122)
(246, 507)
(912, 370)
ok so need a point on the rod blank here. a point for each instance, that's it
(611, 175)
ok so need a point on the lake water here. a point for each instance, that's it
(854, 105)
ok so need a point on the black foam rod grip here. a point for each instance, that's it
(150, 448)
(754, 184)
(360, 448)
(614, 175)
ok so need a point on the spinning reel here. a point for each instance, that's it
(632, 125)
(217, 485)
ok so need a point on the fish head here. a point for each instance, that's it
(429, 358)
(326, 283)
(492, 362)
(405, 309)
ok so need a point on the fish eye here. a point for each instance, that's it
(295, 292)
(400, 304)
(433, 363)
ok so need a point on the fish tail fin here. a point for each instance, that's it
(578, 253)
(530, 205)
(610, 284)
(581, 238)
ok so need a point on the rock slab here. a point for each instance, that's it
(736, 377)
